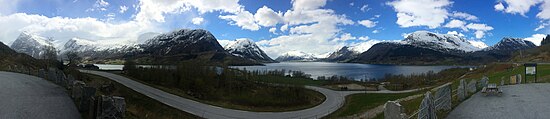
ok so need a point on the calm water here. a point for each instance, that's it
(315, 69)
(356, 71)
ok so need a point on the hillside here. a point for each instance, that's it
(9, 58)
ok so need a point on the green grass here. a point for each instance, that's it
(291, 81)
(318, 97)
(362, 102)
(138, 106)
(543, 71)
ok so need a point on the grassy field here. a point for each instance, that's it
(138, 106)
(358, 103)
(318, 97)
(292, 81)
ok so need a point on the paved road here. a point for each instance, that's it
(29, 97)
(525, 101)
(334, 100)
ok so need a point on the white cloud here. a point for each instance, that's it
(536, 38)
(541, 26)
(153, 10)
(123, 9)
(365, 8)
(477, 43)
(197, 20)
(364, 38)
(479, 34)
(308, 4)
(273, 30)
(464, 16)
(99, 5)
(310, 29)
(456, 24)
(345, 37)
(455, 33)
(499, 7)
(63, 28)
(545, 10)
(204, 6)
(265, 16)
(376, 31)
(243, 19)
(518, 6)
(367, 23)
(431, 13)
(479, 28)
(284, 27)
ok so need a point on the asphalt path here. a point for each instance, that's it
(334, 100)
(524, 101)
(28, 97)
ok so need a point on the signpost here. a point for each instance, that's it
(531, 70)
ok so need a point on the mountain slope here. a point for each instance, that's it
(9, 58)
(246, 48)
(342, 55)
(185, 44)
(425, 48)
(33, 45)
(441, 42)
(296, 56)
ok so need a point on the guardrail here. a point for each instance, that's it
(442, 98)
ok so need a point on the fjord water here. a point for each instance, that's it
(352, 70)
(315, 69)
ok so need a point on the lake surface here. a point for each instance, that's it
(352, 70)
(316, 69)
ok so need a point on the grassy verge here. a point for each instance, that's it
(291, 81)
(358, 103)
(317, 98)
(138, 106)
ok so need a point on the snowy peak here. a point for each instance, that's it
(296, 56)
(439, 41)
(79, 45)
(511, 44)
(183, 41)
(344, 54)
(32, 44)
(246, 48)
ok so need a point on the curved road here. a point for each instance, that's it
(334, 100)
(28, 97)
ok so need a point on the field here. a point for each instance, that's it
(358, 103)
(138, 106)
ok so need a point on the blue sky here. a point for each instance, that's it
(313, 26)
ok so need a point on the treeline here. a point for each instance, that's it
(403, 82)
(222, 84)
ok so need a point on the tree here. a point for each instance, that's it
(129, 66)
(545, 40)
(73, 58)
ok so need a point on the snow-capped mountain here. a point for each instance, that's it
(33, 45)
(296, 56)
(511, 44)
(93, 50)
(430, 48)
(344, 54)
(79, 45)
(186, 44)
(246, 48)
(439, 42)
(182, 41)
